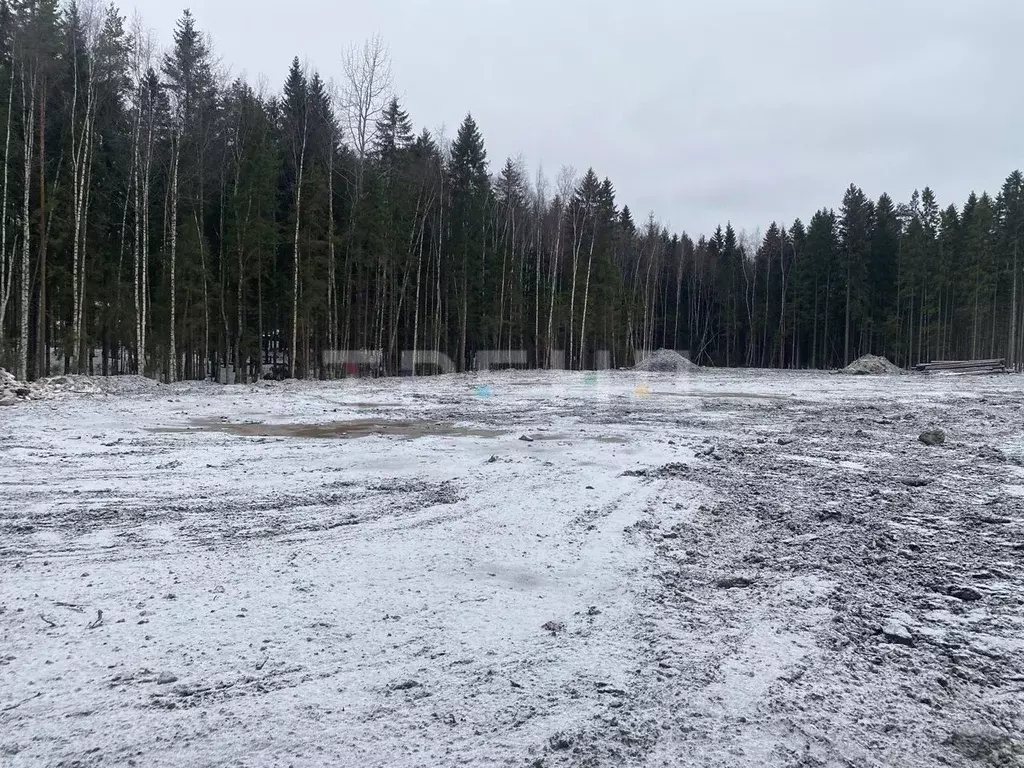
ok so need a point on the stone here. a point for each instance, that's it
(967, 594)
(933, 437)
(979, 743)
(734, 582)
(560, 742)
(554, 627)
(406, 685)
(896, 632)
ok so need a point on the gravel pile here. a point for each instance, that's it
(666, 361)
(872, 365)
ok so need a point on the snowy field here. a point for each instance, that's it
(521, 569)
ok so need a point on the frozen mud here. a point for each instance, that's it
(740, 569)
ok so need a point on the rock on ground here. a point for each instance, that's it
(872, 365)
(933, 437)
(666, 361)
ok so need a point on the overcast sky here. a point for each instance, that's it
(702, 112)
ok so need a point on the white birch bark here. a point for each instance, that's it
(7, 270)
(295, 271)
(172, 371)
(28, 84)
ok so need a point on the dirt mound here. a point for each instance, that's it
(666, 361)
(11, 390)
(871, 365)
(97, 385)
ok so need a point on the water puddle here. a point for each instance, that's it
(338, 429)
(558, 437)
(712, 395)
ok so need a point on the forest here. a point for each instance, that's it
(163, 218)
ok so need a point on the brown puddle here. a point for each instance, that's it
(544, 436)
(715, 395)
(339, 429)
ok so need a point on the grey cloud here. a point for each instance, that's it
(737, 110)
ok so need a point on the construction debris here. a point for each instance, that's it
(11, 390)
(963, 367)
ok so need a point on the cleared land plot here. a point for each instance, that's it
(724, 569)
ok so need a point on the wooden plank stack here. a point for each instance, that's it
(963, 367)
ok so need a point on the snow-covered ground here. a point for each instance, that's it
(721, 568)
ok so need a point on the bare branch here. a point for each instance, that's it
(366, 88)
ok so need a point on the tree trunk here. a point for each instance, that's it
(846, 345)
(295, 272)
(206, 300)
(172, 370)
(7, 262)
(28, 110)
(41, 341)
(1012, 351)
(136, 195)
(586, 295)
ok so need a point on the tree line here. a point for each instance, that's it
(161, 218)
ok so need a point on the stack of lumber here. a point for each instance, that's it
(963, 367)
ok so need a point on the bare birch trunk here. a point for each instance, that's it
(41, 342)
(416, 311)
(137, 236)
(586, 292)
(28, 110)
(295, 271)
(332, 287)
(7, 270)
(554, 283)
(172, 370)
(146, 176)
(1013, 312)
(577, 244)
(206, 299)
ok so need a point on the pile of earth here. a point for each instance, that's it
(96, 385)
(872, 365)
(666, 361)
(12, 390)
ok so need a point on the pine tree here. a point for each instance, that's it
(855, 229)
(155, 220)
(470, 190)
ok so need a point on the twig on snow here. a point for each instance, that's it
(97, 621)
(17, 704)
(48, 621)
(70, 606)
(261, 664)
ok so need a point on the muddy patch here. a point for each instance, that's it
(338, 429)
(559, 437)
(728, 395)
